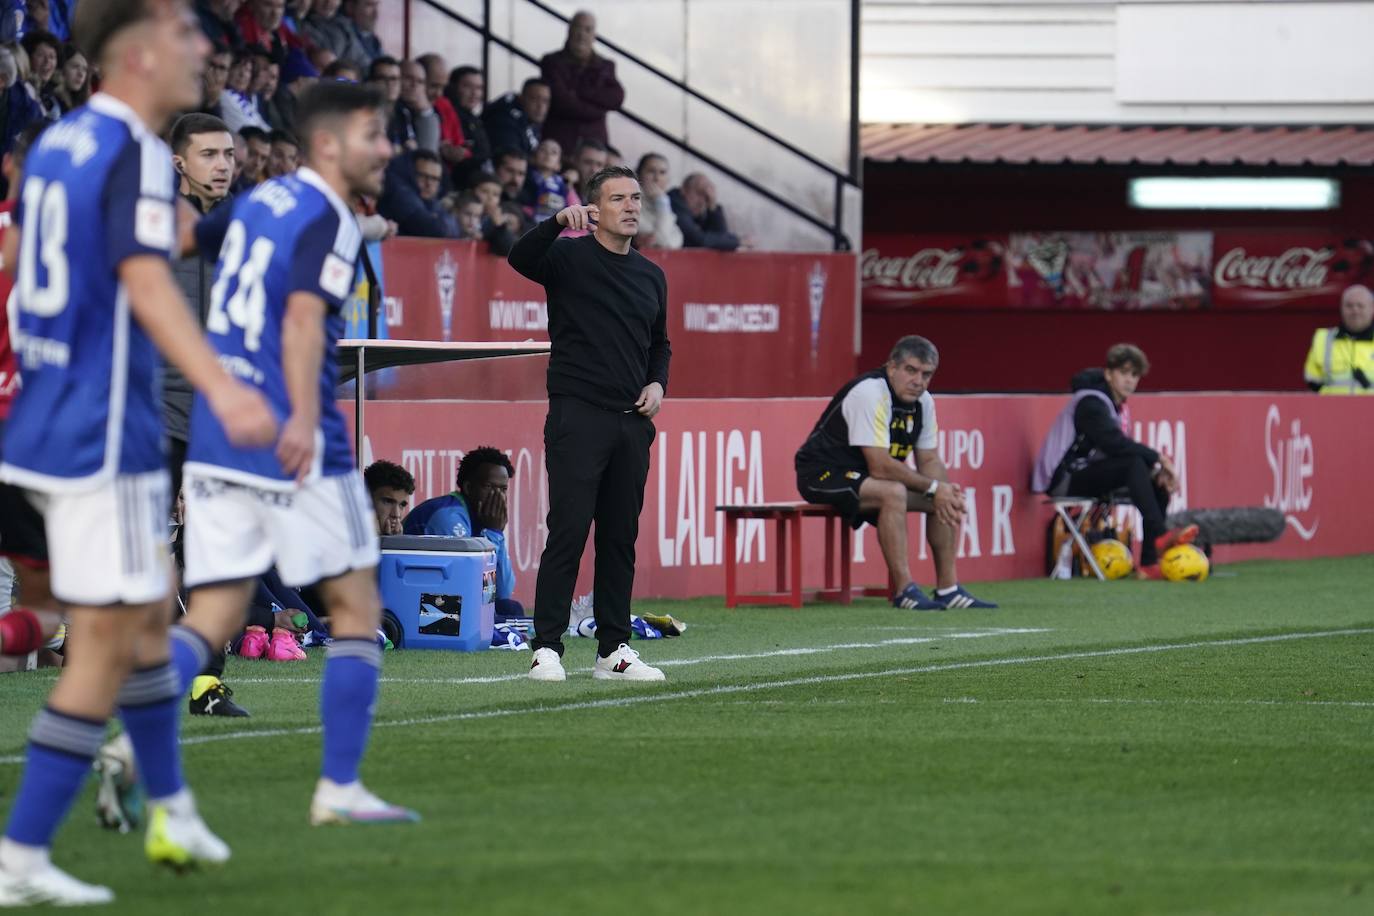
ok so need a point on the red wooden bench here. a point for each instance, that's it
(788, 518)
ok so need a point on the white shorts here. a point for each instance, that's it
(110, 545)
(235, 531)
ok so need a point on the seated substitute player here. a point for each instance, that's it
(1088, 454)
(855, 460)
(390, 486)
(477, 508)
(286, 265)
(94, 301)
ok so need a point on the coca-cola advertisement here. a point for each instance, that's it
(1257, 269)
(1109, 270)
(933, 271)
(1288, 270)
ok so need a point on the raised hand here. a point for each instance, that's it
(579, 218)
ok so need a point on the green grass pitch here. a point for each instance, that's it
(1090, 748)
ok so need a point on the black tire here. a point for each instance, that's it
(391, 626)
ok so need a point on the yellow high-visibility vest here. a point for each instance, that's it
(1334, 358)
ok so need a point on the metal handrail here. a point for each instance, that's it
(835, 230)
(701, 97)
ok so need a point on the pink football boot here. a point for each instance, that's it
(254, 643)
(284, 648)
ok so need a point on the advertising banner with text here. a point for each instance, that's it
(1258, 269)
(1288, 270)
(1302, 455)
(742, 324)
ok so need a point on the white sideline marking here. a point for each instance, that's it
(677, 662)
(1182, 701)
(726, 689)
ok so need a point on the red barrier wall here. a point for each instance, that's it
(743, 324)
(1302, 454)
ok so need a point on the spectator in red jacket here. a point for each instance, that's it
(261, 22)
(583, 86)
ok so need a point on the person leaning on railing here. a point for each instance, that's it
(1341, 360)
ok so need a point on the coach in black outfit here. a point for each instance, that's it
(608, 322)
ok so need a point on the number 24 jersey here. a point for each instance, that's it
(290, 234)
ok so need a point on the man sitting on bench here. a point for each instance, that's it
(855, 460)
(1088, 454)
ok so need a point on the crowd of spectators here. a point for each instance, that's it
(464, 167)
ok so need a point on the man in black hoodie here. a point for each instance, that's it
(1102, 458)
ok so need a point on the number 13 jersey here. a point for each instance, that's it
(290, 234)
(98, 189)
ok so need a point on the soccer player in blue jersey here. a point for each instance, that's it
(94, 297)
(477, 508)
(286, 266)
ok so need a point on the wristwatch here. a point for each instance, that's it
(934, 485)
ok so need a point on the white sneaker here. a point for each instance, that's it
(353, 804)
(179, 838)
(624, 665)
(547, 666)
(49, 884)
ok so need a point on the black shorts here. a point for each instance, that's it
(23, 535)
(838, 487)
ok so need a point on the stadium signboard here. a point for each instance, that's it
(1114, 270)
(742, 324)
(1300, 454)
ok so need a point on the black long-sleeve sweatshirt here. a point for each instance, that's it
(1097, 428)
(608, 316)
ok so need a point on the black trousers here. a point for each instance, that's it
(597, 463)
(1130, 471)
(176, 458)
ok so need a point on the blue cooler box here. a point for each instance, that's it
(438, 592)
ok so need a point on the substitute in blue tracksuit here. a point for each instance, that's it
(477, 508)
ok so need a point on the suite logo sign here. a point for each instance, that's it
(1292, 462)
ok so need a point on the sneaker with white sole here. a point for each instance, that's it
(547, 666)
(624, 665)
(178, 838)
(49, 884)
(353, 804)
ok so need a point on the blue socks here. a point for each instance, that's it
(190, 655)
(351, 669)
(61, 749)
(149, 705)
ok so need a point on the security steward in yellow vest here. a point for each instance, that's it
(1341, 360)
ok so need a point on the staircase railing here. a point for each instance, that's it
(843, 180)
